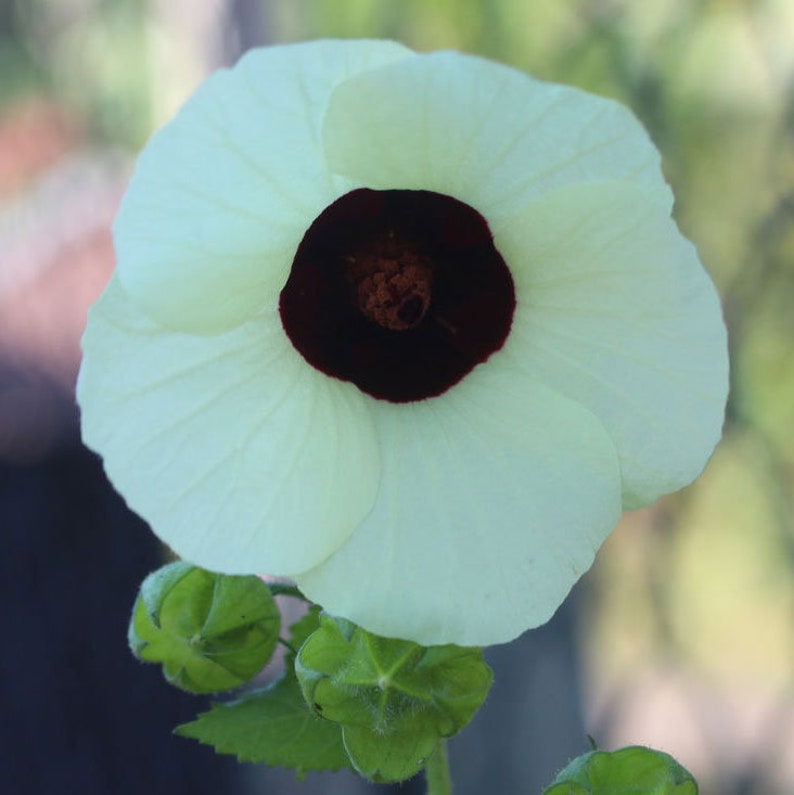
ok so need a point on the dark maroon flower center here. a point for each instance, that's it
(401, 292)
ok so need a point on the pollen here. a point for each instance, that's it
(392, 283)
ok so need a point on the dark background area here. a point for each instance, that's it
(81, 715)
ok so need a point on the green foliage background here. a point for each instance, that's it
(695, 595)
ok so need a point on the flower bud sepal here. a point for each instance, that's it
(393, 698)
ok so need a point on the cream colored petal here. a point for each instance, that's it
(482, 132)
(223, 194)
(615, 311)
(494, 498)
(241, 457)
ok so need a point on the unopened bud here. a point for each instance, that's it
(627, 771)
(210, 631)
(393, 698)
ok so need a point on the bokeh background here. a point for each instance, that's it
(681, 637)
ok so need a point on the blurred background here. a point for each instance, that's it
(681, 637)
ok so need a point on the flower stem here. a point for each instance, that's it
(282, 589)
(437, 771)
(288, 645)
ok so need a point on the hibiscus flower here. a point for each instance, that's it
(413, 330)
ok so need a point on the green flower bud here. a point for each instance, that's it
(210, 631)
(634, 770)
(393, 698)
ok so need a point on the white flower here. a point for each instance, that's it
(453, 501)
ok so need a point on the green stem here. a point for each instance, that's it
(282, 589)
(288, 645)
(437, 771)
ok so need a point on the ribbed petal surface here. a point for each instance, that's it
(481, 132)
(493, 501)
(615, 311)
(223, 194)
(240, 456)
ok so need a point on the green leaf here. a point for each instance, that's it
(393, 698)
(273, 726)
(210, 631)
(634, 770)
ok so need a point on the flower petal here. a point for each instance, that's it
(239, 455)
(615, 311)
(481, 132)
(223, 194)
(494, 498)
